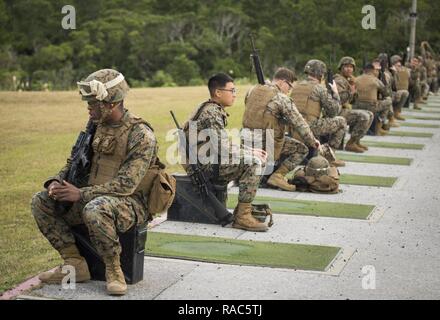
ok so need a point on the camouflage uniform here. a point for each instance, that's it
(359, 121)
(210, 115)
(431, 68)
(415, 89)
(106, 208)
(399, 80)
(293, 152)
(423, 78)
(330, 124)
(381, 107)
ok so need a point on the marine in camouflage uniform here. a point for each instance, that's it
(390, 84)
(423, 79)
(369, 87)
(431, 66)
(401, 75)
(320, 108)
(270, 112)
(212, 117)
(359, 121)
(113, 200)
(415, 87)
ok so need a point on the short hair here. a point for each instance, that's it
(369, 66)
(218, 81)
(284, 74)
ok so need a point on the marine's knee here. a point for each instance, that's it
(37, 203)
(302, 149)
(405, 94)
(341, 122)
(95, 209)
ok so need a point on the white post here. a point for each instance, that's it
(412, 38)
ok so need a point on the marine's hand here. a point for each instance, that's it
(260, 153)
(317, 144)
(52, 185)
(334, 87)
(66, 192)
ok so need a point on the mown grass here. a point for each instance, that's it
(37, 131)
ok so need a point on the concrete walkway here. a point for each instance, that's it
(399, 246)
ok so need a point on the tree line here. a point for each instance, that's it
(175, 42)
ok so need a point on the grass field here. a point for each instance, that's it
(38, 130)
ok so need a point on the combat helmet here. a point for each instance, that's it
(315, 68)
(394, 59)
(317, 166)
(104, 85)
(346, 60)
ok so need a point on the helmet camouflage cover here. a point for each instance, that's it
(317, 166)
(346, 60)
(104, 85)
(315, 68)
(396, 58)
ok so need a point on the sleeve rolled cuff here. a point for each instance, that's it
(50, 180)
(86, 194)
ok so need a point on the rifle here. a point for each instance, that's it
(256, 62)
(393, 83)
(328, 81)
(80, 156)
(202, 183)
(382, 77)
(80, 164)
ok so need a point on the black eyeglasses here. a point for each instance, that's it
(233, 90)
(289, 84)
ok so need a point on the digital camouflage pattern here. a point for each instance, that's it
(346, 60)
(359, 121)
(104, 216)
(381, 107)
(330, 124)
(214, 117)
(115, 94)
(293, 152)
(284, 109)
(315, 67)
(105, 208)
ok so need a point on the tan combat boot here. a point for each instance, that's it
(353, 147)
(243, 219)
(398, 115)
(114, 276)
(277, 179)
(338, 163)
(378, 129)
(358, 142)
(393, 123)
(72, 258)
(416, 104)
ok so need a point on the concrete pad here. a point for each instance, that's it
(158, 276)
(400, 242)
